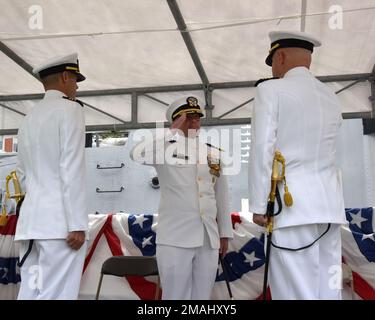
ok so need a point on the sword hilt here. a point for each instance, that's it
(18, 195)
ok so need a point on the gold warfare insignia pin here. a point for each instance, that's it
(214, 165)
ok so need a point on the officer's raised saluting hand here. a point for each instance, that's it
(179, 123)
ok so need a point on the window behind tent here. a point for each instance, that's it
(8, 144)
(106, 139)
(89, 140)
(15, 144)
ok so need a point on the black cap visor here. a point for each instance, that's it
(71, 67)
(288, 43)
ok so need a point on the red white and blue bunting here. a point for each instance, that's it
(134, 235)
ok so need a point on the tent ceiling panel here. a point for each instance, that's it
(355, 98)
(92, 117)
(71, 17)
(136, 44)
(323, 6)
(9, 119)
(347, 50)
(24, 106)
(118, 106)
(14, 80)
(150, 111)
(231, 51)
(225, 12)
(115, 61)
(237, 53)
(227, 99)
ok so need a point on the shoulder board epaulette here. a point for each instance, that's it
(264, 79)
(75, 100)
(211, 146)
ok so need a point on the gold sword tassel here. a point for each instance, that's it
(277, 177)
(278, 158)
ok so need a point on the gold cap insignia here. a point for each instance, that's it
(192, 102)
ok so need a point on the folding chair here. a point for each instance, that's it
(121, 266)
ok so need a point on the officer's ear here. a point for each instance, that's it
(281, 56)
(65, 76)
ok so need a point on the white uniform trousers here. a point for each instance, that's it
(52, 270)
(187, 273)
(309, 274)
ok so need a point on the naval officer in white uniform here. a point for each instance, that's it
(53, 219)
(299, 116)
(194, 222)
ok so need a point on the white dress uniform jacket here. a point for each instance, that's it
(192, 199)
(52, 169)
(299, 116)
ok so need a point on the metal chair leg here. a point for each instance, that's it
(99, 286)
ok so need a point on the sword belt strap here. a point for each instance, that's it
(18, 206)
(28, 251)
(279, 203)
(304, 247)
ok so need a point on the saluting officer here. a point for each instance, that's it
(194, 222)
(53, 219)
(299, 116)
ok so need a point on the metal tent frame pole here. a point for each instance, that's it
(372, 97)
(185, 87)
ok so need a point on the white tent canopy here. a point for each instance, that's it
(139, 55)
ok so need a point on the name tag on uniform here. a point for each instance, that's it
(180, 156)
